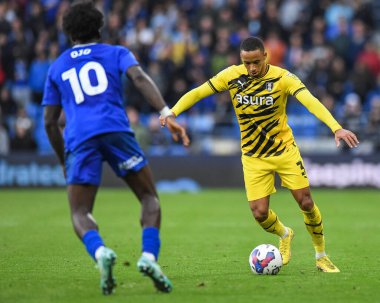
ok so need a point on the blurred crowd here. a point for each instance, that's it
(333, 46)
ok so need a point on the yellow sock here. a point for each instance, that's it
(313, 222)
(273, 225)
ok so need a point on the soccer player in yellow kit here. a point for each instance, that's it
(259, 94)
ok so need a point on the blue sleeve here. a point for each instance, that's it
(126, 59)
(51, 93)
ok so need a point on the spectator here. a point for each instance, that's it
(141, 132)
(337, 78)
(362, 81)
(341, 42)
(7, 105)
(353, 117)
(38, 72)
(35, 20)
(294, 53)
(184, 41)
(23, 140)
(370, 57)
(270, 21)
(276, 48)
(336, 11)
(373, 128)
(358, 39)
(4, 139)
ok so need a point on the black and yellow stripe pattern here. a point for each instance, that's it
(260, 106)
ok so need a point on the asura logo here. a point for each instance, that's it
(254, 100)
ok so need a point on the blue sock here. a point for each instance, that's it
(151, 241)
(92, 241)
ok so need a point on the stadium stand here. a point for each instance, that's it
(333, 46)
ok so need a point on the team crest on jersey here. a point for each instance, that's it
(269, 86)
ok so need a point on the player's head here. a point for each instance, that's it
(253, 56)
(82, 22)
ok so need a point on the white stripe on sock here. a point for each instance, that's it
(98, 252)
(150, 256)
(320, 255)
(286, 233)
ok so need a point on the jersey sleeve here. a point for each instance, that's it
(318, 109)
(126, 59)
(51, 92)
(219, 82)
(192, 97)
(293, 85)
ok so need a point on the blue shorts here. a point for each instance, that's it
(120, 150)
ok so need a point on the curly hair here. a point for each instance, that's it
(82, 22)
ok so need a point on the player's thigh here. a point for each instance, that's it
(291, 169)
(123, 153)
(258, 178)
(84, 164)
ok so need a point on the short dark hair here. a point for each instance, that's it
(251, 44)
(82, 22)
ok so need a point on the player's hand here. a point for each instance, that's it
(176, 130)
(163, 119)
(348, 136)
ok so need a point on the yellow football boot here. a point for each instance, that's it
(285, 246)
(324, 264)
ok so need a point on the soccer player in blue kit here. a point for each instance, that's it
(86, 82)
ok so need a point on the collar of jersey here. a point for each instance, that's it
(268, 65)
(86, 44)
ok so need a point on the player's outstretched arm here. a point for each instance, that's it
(51, 117)
(150, 91)
(348, 136)
(322, 113)
(187, 101)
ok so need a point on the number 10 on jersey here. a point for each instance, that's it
(80, 82)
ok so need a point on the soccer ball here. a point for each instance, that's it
(265, 259)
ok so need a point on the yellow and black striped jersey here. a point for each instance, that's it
(260, 107)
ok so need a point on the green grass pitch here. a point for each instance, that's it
(206, 241)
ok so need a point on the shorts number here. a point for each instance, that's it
(303, 171)
(82, 85)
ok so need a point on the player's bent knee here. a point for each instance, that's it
(260, 215)
(151, 204)
(306, 203)
(83, 222)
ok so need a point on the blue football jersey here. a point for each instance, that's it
(86, 81)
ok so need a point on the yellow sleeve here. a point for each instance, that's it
(293, 85)
(219, 83)
(192, 97)
(216, 84)
(317, 109)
